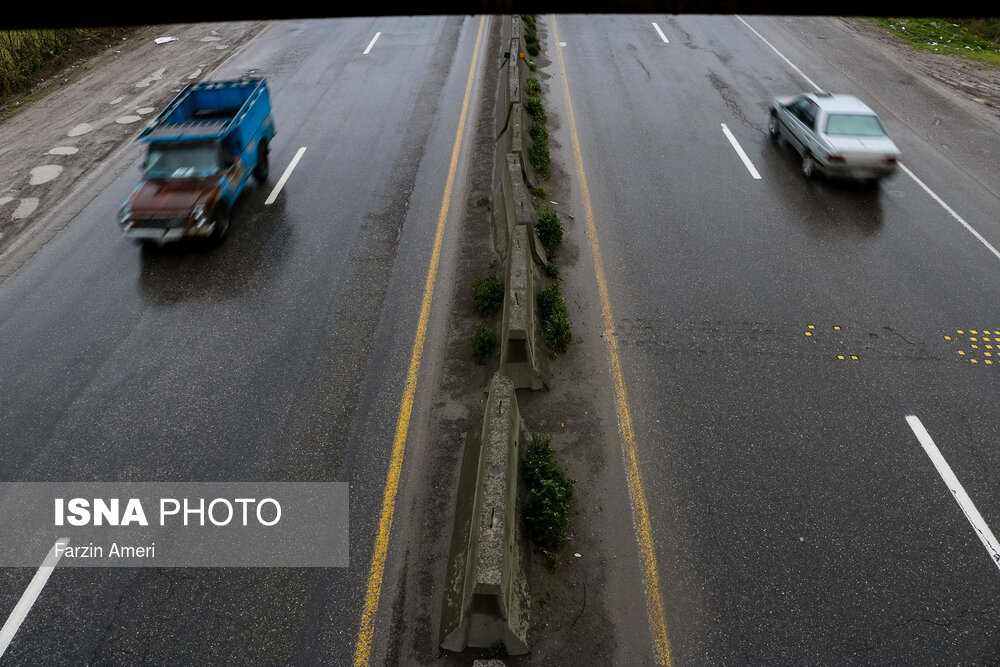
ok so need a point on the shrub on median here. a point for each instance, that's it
(550, 495)
(550, 230)
(487, 296)
(484, 343)
(538, 154)
(554, 318)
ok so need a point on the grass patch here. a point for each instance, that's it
(487, 296)
(978, 39)
(550, 230)
(554, 317)
(550, 495)
(484, 343)
(533, 86)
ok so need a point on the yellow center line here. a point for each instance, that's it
(366, 629)
(640, 510)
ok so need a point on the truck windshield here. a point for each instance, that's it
(182, 161)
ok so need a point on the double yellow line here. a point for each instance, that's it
(366, 631)
(640, 510)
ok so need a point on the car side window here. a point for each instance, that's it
(808, 113)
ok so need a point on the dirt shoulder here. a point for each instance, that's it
(977, 85)
(56, 139)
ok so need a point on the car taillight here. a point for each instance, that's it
(833, 157)
(891, 159)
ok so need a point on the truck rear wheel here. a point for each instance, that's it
(261, 170)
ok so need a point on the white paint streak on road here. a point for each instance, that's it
(741, 153)
(372, 43)
(790, 63)
(660, 33)
(284, 177)
(31, 594)
(983, 531)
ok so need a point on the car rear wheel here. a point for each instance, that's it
(808, 166)
(772, 126)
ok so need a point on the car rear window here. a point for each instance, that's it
(855, 125)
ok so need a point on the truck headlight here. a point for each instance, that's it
(200, 215)
(125, 215)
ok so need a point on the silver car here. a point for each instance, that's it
(836, 135)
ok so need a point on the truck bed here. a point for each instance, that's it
(206, 110)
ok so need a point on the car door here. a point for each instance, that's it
(802, 124)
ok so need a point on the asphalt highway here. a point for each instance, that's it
(776, 334)
(280, 355)
(811, 366)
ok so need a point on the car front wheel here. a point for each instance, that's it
(772, 126)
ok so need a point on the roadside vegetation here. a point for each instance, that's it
(976, 38)
(24, 53)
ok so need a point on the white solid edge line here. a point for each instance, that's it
(739, 151)
(284, 177)
(790, 63)
(971, 513)
(950, 210)
(31, 594)
(660, 33)
(372, 43)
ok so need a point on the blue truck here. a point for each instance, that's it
(201, 152)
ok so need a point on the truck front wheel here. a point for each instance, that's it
(221, 224)
(260, 171)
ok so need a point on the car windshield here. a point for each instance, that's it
(182, 161)
(855, 125)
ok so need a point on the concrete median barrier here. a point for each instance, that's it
(487, 600)
(522, 357)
